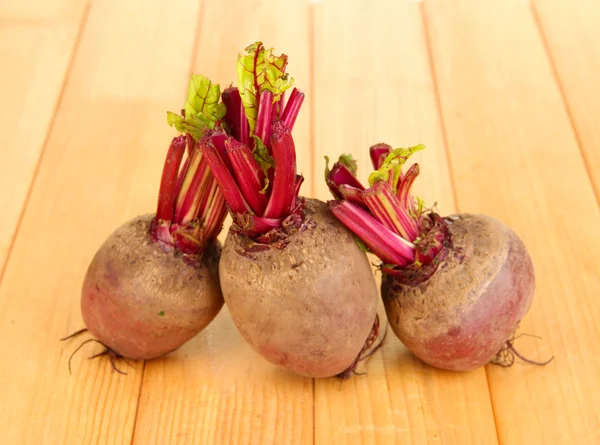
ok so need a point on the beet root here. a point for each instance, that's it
(309, 306)
(463, 315)
(143, 301)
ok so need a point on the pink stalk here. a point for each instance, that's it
(244, 127)
(194, 194)
(182, 173)
(228, 186)
(263, 225)
(233, 103)
(263, 120)
(168, 188)
(378, 154)
(352, 194)
(284, 178)
(272, 119)
(215, 213)
(218, 138)
(279, 107)
(386, 207)
(384, 243)
(406, 185)
(340, 174)
(206, 195)
(299, 181)
(191, 143)
(193, 161)
(248, 173)
(292, 108)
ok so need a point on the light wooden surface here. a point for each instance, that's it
(504, 94)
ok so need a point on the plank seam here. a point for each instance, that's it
(36, 170)
(438, 103)
(314, 413)
(563, 95)
(137, 406)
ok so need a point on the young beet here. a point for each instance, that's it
(297, 286)
(154, 284)
(455, 288)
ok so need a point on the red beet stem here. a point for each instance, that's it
(248, 173)
(244, 127)
(229, 188)
(192, 163)
(218, 138)
(168, 183)
(194, 194)
(388, 246)
(292, 108)
(386, 207)
(299, 181)
(264, 118)
(339, 175)
(378, 154)
(263, 225)
(352, 194)
(284, 177)
(214, 212)
(233, 103)
(406, 185)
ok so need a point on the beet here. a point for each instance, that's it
(461, 316)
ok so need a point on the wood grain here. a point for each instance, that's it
(570, 32)
(514, 156)
(35, 50)
(215, 389)
(376, 86)
(518, 94)
(100, 167)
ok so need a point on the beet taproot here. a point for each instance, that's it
(463, 314)
(142, 301)
(308, 306)
(455, 289)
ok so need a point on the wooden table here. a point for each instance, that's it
(505, 94)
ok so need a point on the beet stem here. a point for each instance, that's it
(192, 194)
(263, 120)
(215, 215)
(387, 245)
(233, 103)
(292, 108)
(405, 185)
(386, 207)
(229, 188)
(341, 175)
(284, 178)
(378, 153)
(168, 183)
(248, 173)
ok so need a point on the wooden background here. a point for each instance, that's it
(505, 94)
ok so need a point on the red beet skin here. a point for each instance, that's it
(462, 316)
(142, 301)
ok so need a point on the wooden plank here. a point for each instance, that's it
(38, 12)
(515, 157)
(570, 32)
(373, 84)
(31, 79)
(215, 389)
(101, 166)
